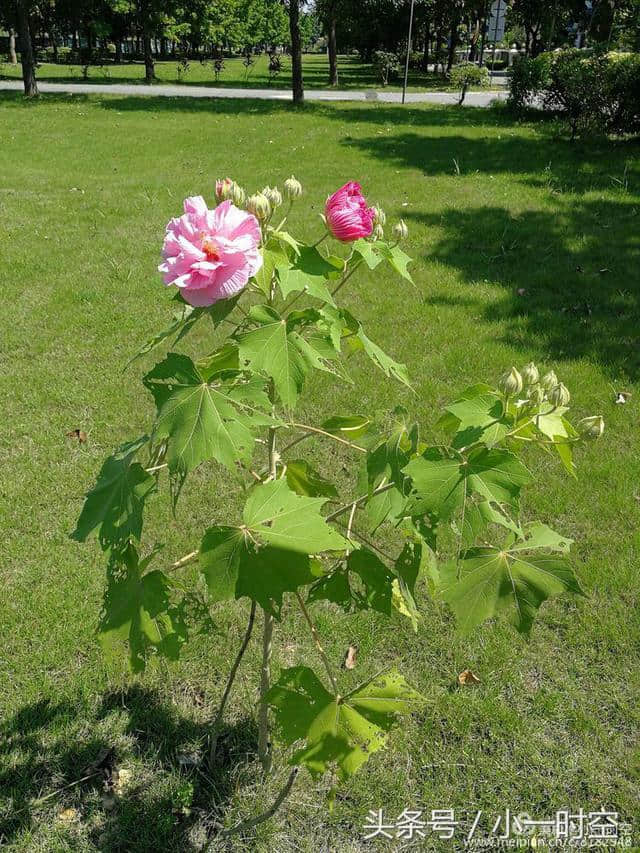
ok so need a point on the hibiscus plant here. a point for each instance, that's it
(270, 302)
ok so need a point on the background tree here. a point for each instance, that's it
(297, 84)
(23, 9)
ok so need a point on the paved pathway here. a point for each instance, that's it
(473, 99)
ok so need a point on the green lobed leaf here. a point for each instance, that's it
(407, 568)
(305, 480)
(205, 419)
(480, 418)
(233, 567)
(308, 272)
(271, 350)
(278, 516)
(368, 252)
(396, 257)
(489, 581)
(341, 732)
(116, 502)
(440, 484)
(137, 610)
(383, 361)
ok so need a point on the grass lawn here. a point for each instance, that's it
(353, 74)
(526, 247)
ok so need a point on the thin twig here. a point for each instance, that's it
(232, 674)
(188, 558)
(316, 640)
(359, 501)
(368, 542)
(324, 432)
(279, 800)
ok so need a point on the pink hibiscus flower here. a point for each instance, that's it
(210, 254)
(347, 214)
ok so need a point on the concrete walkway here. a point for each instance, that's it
(473, 99)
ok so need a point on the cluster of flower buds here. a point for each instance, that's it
(292, 188)
(273, 196)
(379, 220)
(259, 205)
(400, 231)
(228, 190)
(546, 389)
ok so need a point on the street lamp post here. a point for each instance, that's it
(406, 64)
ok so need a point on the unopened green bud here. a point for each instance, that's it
(378, 232)
(379, 216)
(273, 195)
(549, 380)
(559, 395)
(238, 196)
(292, 188)
(535, 394)
(590, 428)
(400, 230)
(510, 382)
(258, 204)
(530, 374)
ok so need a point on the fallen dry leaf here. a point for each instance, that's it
(467, 677)
(79, 434)
(350, 658)
(67, 815)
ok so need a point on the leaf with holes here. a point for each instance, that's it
(338, 731)
(116, 502)
(137, 610)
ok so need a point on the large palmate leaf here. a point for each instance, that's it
(480, 417)
(385, 463)
(184, 320)
(116, 502)
(137, 610)
(362, 582)
(308, 271)
(303, 479)
(271, 350)
(383, 361)
(233, 567)
(203, 419)
(278, 516)
(398, 259)
(338, 731)
(515, 579)
(440, 484)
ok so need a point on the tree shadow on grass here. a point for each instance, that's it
(78, 755)
(570, 275)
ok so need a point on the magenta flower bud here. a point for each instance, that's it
(347, 215)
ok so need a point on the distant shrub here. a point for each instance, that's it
(593, 92)
(386, 65)
(466, 74)
(528, 79)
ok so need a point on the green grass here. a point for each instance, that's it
(526, 247)
(353, 74)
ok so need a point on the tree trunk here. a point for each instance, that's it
(13, 59)
(473, 48)
(296, 52)
(427, 39)
(118, 56)
(149, 69)
(333, 52)
(453, 43)
(26, 50)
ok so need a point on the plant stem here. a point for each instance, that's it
(346, 278)
(188, 558)
(264, 747)
(232, 674)
(279, 800)
(318, 431)
(316, 640)
(359, 501)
